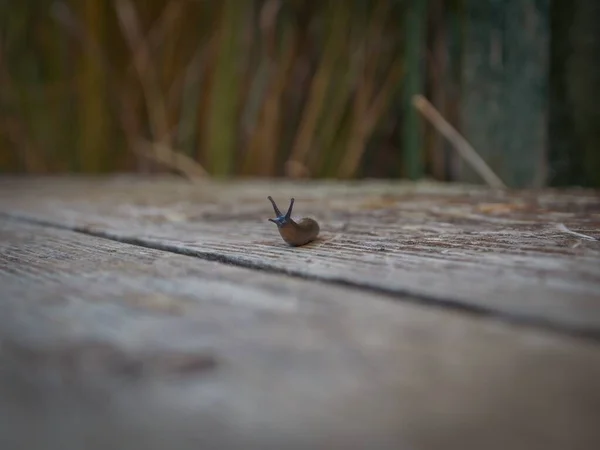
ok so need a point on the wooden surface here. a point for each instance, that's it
(152, 314)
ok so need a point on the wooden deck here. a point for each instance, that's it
(154, 313)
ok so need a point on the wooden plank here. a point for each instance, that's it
(120, 346)
(500, 253)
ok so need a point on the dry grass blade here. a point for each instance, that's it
(460, 144)
(176, 160)
(65, 16)
(189, 101)
(334, 131)
(384, 96)
(369, 106)
(270, 131)
(14, 130)
(94, 70)
(318, 90)
(155, 102)
(367, 116)
(221, 126)
(562, 227)
(269, 83)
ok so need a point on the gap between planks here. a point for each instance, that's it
(398, 295)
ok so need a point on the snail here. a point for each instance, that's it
(295, 234)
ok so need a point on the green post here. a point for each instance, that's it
(504, 100)
(414, 57)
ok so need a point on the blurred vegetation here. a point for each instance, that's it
(266, 87)
(254, 88)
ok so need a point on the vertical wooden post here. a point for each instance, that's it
(414, 57)
(505, 89)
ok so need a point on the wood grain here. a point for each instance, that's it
(492, 252)
(119, 346)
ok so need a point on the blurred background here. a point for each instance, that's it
(300, 88)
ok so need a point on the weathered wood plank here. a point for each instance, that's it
(495, 252)
(119, 346)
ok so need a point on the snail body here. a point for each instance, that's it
(294, 233)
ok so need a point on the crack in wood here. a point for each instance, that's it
(402, 295)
